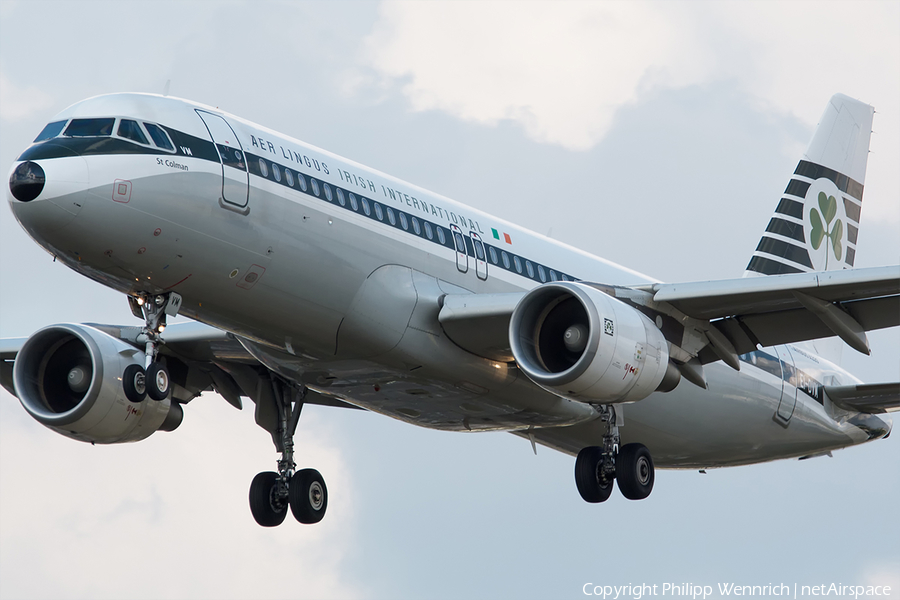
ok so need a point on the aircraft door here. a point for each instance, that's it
(462, 255)
(480, 256)
(788, 401)
(235, 178)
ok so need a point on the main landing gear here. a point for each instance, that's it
(598, 467)
(303, 491)
(153, 378)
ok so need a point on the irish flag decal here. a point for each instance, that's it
(506, 237)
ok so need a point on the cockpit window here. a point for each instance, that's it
(159, 136)
(131, 130)
(50, 131)
(90, 127)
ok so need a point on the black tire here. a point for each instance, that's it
(134, 383)
(158, 383)
(591, 486)
(634, 471)
(265, 506)
(308, 496)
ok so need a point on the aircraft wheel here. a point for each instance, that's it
(157, 381)
(134, 382)
(308, 496)
(634, 471)
(591, 485)
(265, 505)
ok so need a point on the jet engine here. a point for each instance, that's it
(580, 343)
(69, 378)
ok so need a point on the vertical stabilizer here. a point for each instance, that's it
(816, 222)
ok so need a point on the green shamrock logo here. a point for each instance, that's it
(820, 230)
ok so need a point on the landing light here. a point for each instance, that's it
(161, 328)
(140, 301)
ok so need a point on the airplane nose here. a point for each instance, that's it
(27, 181)
(45, 194)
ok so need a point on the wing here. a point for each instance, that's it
(714, 320)
(200, 358)
(781, 309)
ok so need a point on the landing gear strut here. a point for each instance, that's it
(153, 379)
(304, 491)
(597, 467)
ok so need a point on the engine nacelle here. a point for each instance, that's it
(69, 378)
(577, 342)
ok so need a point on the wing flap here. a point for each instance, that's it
(754, 295)
(799, 324)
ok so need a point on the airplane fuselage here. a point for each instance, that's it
(332, 273)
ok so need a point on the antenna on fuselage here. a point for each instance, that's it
(166, 87)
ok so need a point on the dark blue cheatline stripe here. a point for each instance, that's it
(765, 266)
(852, 209)
(783, 249)
(797, 188)
(61, 147)
(843, 183)
(409, 223)
(791, 208)
(194, 147)
(787, 229)
(785, 371)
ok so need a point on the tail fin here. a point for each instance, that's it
(816, 223)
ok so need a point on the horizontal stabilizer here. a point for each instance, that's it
(867, 398)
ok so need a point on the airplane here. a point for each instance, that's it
(312, 279)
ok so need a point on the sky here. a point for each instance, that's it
(657, 135)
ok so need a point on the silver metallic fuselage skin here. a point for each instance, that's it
(348, 303)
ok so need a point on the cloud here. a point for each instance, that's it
(19, 102)
(884, 573)
(560, 73)
(562, 70)
(166, 517)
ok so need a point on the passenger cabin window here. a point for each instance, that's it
(50, 131)
(160, 137)
(327, 189)
(263, 168)
(379, 213)
(90, 128)
(479, 248)
(130, 130)
(289, 176)
(391, 216)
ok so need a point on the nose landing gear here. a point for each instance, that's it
(153, 379)
(304, 491)
(597, 467)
